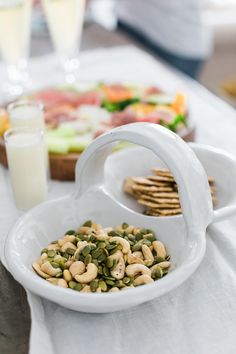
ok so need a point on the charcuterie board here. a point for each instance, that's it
(75, 116)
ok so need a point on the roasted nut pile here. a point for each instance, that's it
(96, 259)
(158, 193)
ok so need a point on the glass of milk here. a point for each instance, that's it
(15, 23)
(28, 114)
(65, 21)
(26, 161)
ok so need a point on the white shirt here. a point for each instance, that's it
(174, 25)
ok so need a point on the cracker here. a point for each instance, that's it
(151, 189)
(171, 195)
(166, 212)
(128, 185)
(154, 205)
(160, 200)
(161, 179)
(162, 172)
(142, 180)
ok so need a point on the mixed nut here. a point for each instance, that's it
(158, 193)
(96, 259)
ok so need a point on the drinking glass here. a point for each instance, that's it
(15, 20)
(65, 21)
(28, 114)
(26, 161)
(25, 113)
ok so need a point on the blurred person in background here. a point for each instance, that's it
(172, 29)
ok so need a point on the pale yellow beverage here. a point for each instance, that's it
(26, 161)
(26, 114)
(14, 29)
(65, 21)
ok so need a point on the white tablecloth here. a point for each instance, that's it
(200, 316)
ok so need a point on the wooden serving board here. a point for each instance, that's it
(62, 167)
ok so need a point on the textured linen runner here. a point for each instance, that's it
(199, 317)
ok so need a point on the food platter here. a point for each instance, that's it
(75, 115)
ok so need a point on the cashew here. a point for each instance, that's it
(148, 256)
(38, 270)
(77, 268)
(99, 290)
(68, 263)
(119, 271)
(107, 229)
(86, 230)
(143, 279)
(113, 290)
(102, 235)
(48, 268)
(96, 227)
(119, 228)
(80, 247)
(133, 259)
(67, 275)
(129, 229)
(53, 246)
(138, 254)
(159, 248)
(67, 238)
(60, 282)
(43, 257)
(89, 275)
(127, 287)
(136, 230)
(134, 269)
(124, 243)
(68, 245)
(86, 289)
(164, 264)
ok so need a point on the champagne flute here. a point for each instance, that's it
(65, 22)
(15, 16)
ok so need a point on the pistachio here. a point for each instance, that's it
(72, 284)
(101, 244)
(70, 232)
(86, 250)
(88, 223)
(93, 285)
(102, 285)
(88, 259)
(110, 282)
(78, 287)
(124, 225)
(51, 253)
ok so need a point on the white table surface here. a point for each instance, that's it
(200, 316)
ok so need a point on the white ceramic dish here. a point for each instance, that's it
(96, 198)
(138, 161)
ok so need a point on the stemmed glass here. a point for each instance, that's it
(15, 20)
(65, 22)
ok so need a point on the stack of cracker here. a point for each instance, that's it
(158, 193)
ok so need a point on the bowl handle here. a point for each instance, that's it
(195, 197)
(224, 213)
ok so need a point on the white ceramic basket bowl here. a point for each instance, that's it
(95, 198)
